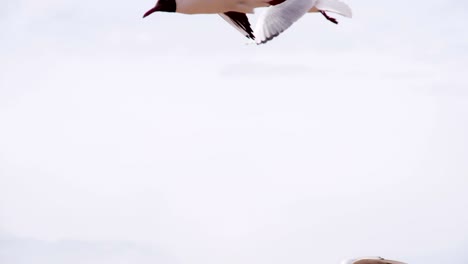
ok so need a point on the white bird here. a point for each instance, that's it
(233, 11)
(279, 17)
(371, 260)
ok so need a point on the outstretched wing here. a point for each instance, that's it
(241, 22)
(278, 18)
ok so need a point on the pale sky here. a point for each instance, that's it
(168, 140)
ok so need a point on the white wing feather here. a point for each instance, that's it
(278, 18)
(334, 6)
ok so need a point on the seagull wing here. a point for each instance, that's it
(376, 260)
(278, 18)
(334, 6)
(241, 22)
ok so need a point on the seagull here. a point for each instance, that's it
(283, 13)
(371, 260)
(233, 11)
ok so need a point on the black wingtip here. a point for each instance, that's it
(242, 21)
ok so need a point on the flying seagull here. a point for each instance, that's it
(233, 11)
(371, 260)
(277, 18)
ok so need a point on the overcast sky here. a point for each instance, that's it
(168, 140)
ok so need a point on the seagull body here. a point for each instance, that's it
(233, 11)
(371, 260)
(209, 6)
(280, 17)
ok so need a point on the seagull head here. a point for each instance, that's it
(162, 6)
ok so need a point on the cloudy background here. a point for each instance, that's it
(168, 140)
